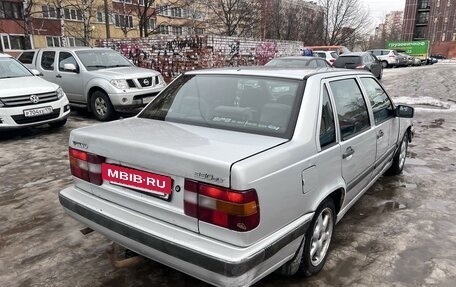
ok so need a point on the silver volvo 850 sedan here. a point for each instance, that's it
(230, 174)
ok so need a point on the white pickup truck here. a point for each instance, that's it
(101, 80)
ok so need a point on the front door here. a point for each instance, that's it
(357, 137)
(70, 81)
(384, 120)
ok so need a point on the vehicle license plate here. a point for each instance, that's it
(37, 112)
(147, 182)
(147, 100)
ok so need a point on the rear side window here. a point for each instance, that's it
(26, 57)
(334, 55)
(251, 104)
(321, 55)
(327, 125)
(47, 60)
(351, 108)
(380, 102)
(377, 53)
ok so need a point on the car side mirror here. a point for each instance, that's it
(70, 68)
(36, 72)
(403, 111)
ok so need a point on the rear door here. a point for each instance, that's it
(357, 137)
(384, 120)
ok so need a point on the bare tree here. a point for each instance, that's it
(234, 17)
(344, 21)
(304, 22)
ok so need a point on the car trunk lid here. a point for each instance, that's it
(163, 151)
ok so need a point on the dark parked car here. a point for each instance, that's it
(299, 62)
(360, 60)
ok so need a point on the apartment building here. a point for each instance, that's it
(43, 23)
(434, 21)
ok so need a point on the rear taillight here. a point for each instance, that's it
(332, 60)
(232, 209)
(86, 166)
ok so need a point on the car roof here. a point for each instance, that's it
(277, 72)
(296, 58)
(69, 49)
(321, 51)
(352, 54)
(5, 56)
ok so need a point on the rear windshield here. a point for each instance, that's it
(347, 60)
(258, 105)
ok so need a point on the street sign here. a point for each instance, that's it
(418, 49)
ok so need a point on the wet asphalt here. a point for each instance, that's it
(402, 232)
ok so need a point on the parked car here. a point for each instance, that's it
(387, 57)
(410, 59)
(402, 60)
(417, 62)
(299, 62)
(27, 100)
(101, 80)
(360, 60)
(194, 180)
(330, 56)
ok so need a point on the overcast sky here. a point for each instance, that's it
(379, 8)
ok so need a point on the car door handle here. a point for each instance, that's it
(348, 152)
(58, 76)
(380, 134)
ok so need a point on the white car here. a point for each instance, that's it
(28, 100)
(230, 174)
(330, 56)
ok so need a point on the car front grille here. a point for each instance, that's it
(24, 100)
(21, 119)
(146, 82)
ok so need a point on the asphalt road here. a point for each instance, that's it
(401, 233)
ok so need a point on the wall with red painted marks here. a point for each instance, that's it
(173, 55)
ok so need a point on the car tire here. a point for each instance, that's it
(101, 106)
(58, 124)
(317, 239)
(399, 157)
(385, 64)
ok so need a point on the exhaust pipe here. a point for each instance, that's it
(122, 263)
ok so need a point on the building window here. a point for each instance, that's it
(11, 10)
(16, 42)
(53, 41)
(151, 24)
(164, 29)
(123, 21)
(72, 14)
(49, 12)
(177, 30)
(443, 37)
(199, 31)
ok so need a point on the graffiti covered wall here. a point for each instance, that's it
(173, 55)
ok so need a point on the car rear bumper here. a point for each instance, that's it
(205, 258)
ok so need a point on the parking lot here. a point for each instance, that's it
(401, 233)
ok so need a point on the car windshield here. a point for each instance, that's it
(258, 105)
(102, 59)
(11, 68)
